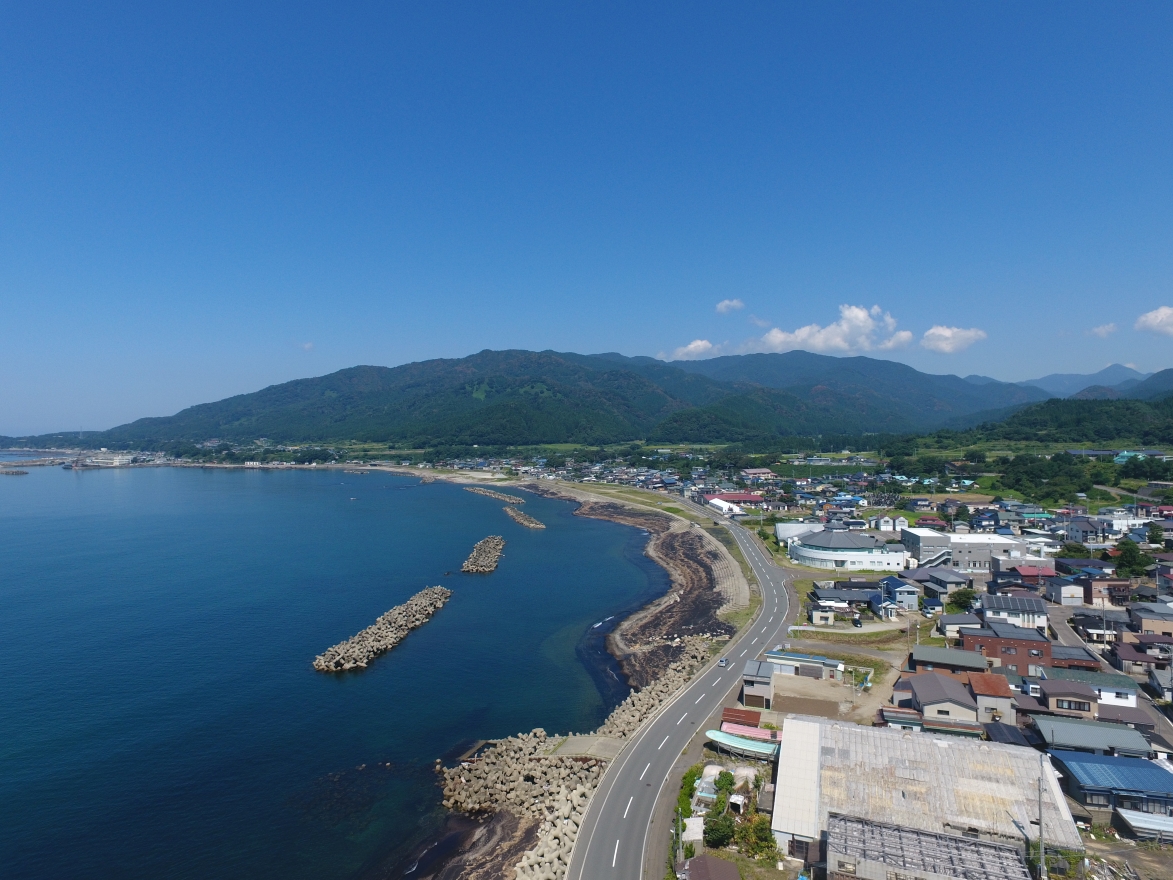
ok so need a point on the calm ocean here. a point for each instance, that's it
(159, 716)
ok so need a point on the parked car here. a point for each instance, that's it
(855, 621)
(724, 661)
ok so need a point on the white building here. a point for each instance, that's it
(726, 507)
(846, 551)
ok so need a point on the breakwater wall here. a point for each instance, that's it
(518, 775)
(523, 518)
(384, 634)
(484, 556)
(500, 496)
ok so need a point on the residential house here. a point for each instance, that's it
(1152, 618)
(995, 700)
(1110, 687)
(1101, 627)
(1073, 657)
(1073, 698)
(1095, 567)
(1093, 737)
(1021, 650)
(757, 684)
(1106, 783)
(942, 696)
(903, 593)
(1104, 591)
(946, 660)
(1161, 680)
(805, 665)
(949, 625)
(1023, 611)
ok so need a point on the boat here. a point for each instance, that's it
(740, 745)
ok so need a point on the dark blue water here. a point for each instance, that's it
(158, 713)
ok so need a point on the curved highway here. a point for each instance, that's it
(613, 837)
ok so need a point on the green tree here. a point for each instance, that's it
(1156, 535)
(960, 601)
(975, 456)
(719, 831)
(689, 850)
(1074, 550)
(724, 782)
(1131, 562)
(754, 837)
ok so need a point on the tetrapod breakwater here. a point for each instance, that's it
(384, 634)
(484, 556)
(500, 496)
(523, 518)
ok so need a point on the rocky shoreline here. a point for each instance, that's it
(384, 634)
(484, 556)
(518, 775)
(523, 518)
(500, 496)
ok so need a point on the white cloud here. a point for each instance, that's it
(948, 340)
(695, 350)
(729, 305)
(308, 346)
(1159, 320)
(761, 322)
(1104, 330)
(858, 329)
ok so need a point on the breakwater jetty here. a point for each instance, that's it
(484, 556)
(384, 634)
(500, 496)
(523, 518)
(14, 473)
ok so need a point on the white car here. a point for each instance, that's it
(724, 661)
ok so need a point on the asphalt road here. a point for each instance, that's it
(614, 834)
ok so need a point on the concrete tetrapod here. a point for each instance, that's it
(384, 634)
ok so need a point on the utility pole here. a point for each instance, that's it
(1042, 847)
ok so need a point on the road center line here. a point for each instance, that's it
(641, 776)
(714, 684)
(771, 620)
(682, 717)
(698, 699)
(628, 807)
(742, 654)
(615, 854)
(661, 745)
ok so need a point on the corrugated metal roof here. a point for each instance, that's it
(1070, 733)
(949, 657)
(1120, 774)
(941, 784)
(1105, 680)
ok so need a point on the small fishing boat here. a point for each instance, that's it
(740, 745)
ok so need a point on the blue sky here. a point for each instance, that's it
(201, 202)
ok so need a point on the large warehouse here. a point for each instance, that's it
(943, 785)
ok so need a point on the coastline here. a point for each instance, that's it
(658, 647)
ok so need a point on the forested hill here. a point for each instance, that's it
(1097, 422)
(522, 397)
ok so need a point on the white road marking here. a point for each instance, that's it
(682, 717)
(771, 620)
(714, 684)
(661, 745)
(755, 641)
(698, 699)
(641, 776)
(742, 654)
(615, 854)
(628, 807)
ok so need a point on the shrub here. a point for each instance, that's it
(689, 850)
(719, 831)
(724, 781)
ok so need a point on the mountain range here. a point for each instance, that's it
(515, 398)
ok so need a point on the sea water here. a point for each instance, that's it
(159, 716)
